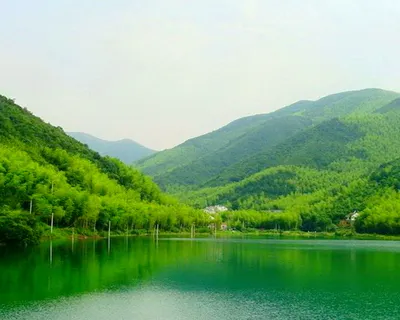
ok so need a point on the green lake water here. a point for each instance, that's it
(206, 278)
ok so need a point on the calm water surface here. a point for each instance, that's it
(139, 278)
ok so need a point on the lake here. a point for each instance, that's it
(204, 278)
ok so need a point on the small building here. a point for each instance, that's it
(352, 216)
(215, 209)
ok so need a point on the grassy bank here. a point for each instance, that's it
(296, 234)
(68, 233)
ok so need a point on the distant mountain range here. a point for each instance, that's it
(125, 150)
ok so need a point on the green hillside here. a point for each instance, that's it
(342, 104)
(392, 106)
(42, 166)
(125, 150)
(264, 136)
(249, 145)
(196, 148)
(318, 177)
(316, 147)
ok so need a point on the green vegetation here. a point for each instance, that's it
(193, 149)
(125, 150)
(305, 167)
(17, 227)
(394, 105)
(46, 172)
(291, 197)
(315, 179)
(197, 172)
(316, 147)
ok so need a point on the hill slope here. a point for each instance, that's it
(196, 148)
(197, 172)
(316, 178)
(125, 150)
(249, 140)
(48, 173)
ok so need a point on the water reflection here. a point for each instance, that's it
(51, 252)
(331, 273)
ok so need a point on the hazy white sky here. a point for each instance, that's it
(162, 71)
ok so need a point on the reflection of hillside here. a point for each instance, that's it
(193, 265)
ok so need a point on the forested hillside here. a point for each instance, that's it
(317, 178)
(125, 150)
(196, 148)
(266, 136)
(334, 144)
(252, 144)
(317, 148)
(46, 172)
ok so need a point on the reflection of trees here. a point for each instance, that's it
(203, 264)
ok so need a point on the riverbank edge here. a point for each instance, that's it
(60, 234)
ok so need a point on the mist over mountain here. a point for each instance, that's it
(125, 150)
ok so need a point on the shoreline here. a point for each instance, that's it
(64, 234)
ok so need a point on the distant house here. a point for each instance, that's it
(352, 216)
(215, 209)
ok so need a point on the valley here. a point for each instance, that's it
(125, 150)
(304, 167)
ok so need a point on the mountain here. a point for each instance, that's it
(46, 174)
(316, 178)
(196, 148)
(333, 151)
(252, 144)
(125, 150)
(337, 171)
(199, 171)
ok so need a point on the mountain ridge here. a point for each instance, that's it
(126, 150)
(189, 166)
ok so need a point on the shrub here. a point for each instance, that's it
(18, 228)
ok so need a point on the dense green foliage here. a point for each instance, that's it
(44, 171)
(317, 147)
(319, 200)
(315, 179)
(125, 150)
(18, 227)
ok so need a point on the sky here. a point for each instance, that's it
(163, 71)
